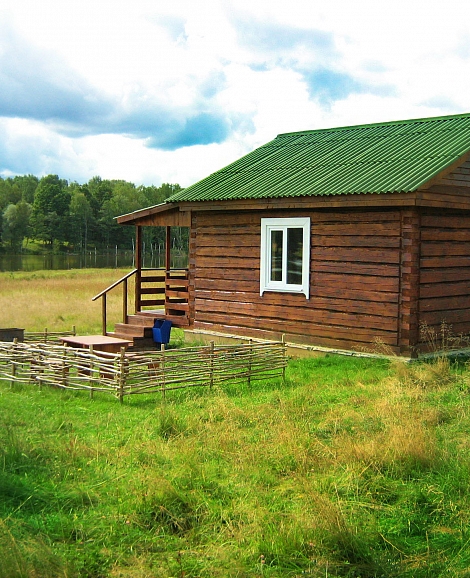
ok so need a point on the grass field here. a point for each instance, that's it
(351, 468)
(56, 300)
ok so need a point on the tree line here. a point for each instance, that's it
(61, 215)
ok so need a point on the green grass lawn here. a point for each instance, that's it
(353, 467)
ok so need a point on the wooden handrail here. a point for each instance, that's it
(133, 272)
(166, 278)
(124, 300)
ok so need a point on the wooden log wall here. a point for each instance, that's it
(445, 271)
(354, 283)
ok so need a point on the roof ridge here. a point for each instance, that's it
(387, 123)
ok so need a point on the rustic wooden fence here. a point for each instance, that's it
(46, 336)
(128, 373)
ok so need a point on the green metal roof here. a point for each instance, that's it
(375, 158)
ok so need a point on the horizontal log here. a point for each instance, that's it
(458, 318)
(224, 240)
(338, 334)
(445, 289)
(429, 249)
(228, 263)
(373, 241)
(374, 269)
(374, 217)
(444, 262)
(249, 286)
(177, 292)
(245, 274)
(440, 221)
(444, 303)
(317, 340)
(272, 313)
(435, 235)
(347, 281)
(364, 255)
(171, 306)
(445, 275)
(367, 307)
(229, 252)
(357, 229)
(386, 291)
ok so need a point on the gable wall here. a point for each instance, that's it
(460, 177)
(354, 283)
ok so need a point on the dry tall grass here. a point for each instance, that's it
(59, 299)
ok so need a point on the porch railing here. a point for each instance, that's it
(103, 294)
(153, 288)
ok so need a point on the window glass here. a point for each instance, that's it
(276, 255)
(294, 255)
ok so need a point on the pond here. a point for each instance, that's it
(115, 260)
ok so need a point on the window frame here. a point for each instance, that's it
(275, 224)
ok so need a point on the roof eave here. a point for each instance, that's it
(130, 218)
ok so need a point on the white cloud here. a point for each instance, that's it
(149, 91)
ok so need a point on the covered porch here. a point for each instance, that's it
(157, 292)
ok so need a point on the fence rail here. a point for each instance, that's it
(46, 335)
(124, 374)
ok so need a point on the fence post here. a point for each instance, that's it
(65, 369)
(211, 353)
(122, 374)
(284, 354)
(13, 362)
(91, 371)
(250, 354)
(162, 349)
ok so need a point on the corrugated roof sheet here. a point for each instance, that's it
(376, 158)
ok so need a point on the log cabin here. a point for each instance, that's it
(332, 237)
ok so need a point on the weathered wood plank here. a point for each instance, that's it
(438, 235)
(256, 311)
(332, 341)
(308, 332)
(444, 262)
(445, 303)
(357, 240)
(206, 261)
(367, 307)
(365, 255)
(445, 289)
(445, 249)
(450, 222)
(229, 252)
(444, 275)
(346, 281)
(373, 269)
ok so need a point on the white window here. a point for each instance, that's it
(285, 255)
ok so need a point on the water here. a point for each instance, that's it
(116, 260)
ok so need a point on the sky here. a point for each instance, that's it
(154, 91)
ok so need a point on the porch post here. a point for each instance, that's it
(168, 249)
(167, 263)
(138, 266)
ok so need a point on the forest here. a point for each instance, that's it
(51, 214)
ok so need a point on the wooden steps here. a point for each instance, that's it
(138, 328)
